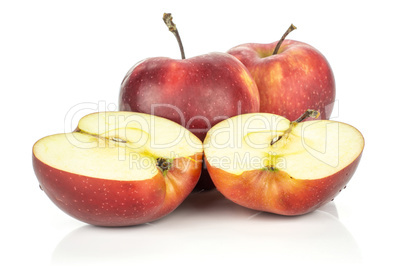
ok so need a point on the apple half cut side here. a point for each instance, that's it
(267, 163)
(119, 168)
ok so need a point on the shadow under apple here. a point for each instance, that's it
(206, 229)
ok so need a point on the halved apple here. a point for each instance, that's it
(267, 163)
(119, 168)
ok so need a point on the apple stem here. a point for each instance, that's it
(308, 113)
(278, 45)
(305, 115)
(168, 19)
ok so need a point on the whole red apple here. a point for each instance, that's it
(119, 168)
(197, 92)
(295, 78)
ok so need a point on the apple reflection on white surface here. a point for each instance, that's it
(207, 228)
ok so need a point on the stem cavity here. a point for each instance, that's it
(278, 45)
(168, 19)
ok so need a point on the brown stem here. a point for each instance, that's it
(278, 45)
(308, 113)
(305, 115)
(168, 19)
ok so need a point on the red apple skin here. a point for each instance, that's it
(277, 192)
(297, 78)
(119, 203)
(196, 93)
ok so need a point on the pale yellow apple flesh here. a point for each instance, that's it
(312, 150)
(118, 146)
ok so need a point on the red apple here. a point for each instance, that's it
(296, 78)
(197, 92)
(265, 162)
(119, 168)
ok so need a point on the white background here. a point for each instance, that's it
(60, 60)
